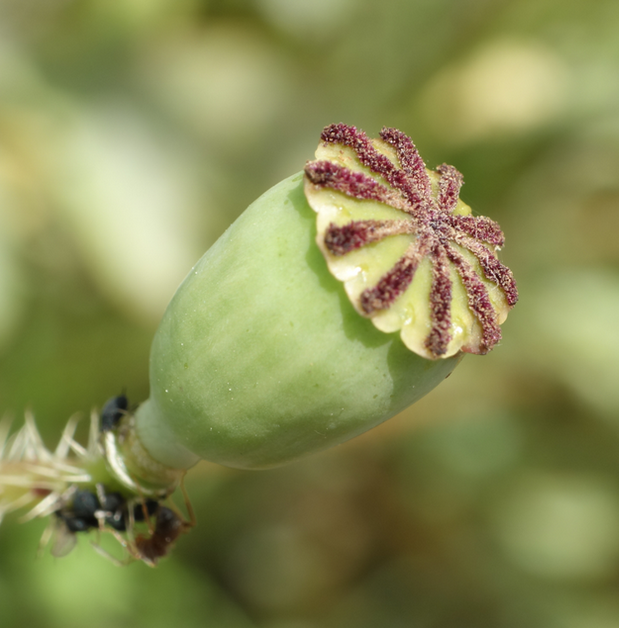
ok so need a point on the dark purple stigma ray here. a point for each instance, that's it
(479, 301)
(354, 184)
(340, 240)
(478, 227)
(375, 161)
(493, 269)
(361, 144)
(394, 282)
(410, 160)
(344, 134)
(440, 304)
(449, 185)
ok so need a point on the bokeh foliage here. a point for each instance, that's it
(132, 132)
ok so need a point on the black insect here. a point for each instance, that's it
(116, 511)
(79, 515)
(86, 511)
(114, 508)
(112, 412)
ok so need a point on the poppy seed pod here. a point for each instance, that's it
(263, 356)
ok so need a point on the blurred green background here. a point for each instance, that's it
(132, 132)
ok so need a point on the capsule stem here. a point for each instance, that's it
(152, 450)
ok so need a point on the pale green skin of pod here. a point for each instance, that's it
(260, 358)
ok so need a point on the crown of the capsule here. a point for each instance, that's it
(410, 254)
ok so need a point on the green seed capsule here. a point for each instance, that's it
(261, 356)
